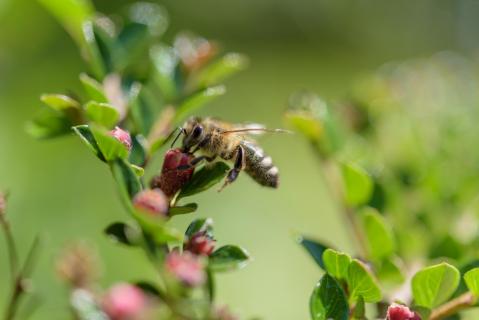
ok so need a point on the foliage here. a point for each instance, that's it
(137, 90)
(391, 162)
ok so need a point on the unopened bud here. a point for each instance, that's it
(77, 265)
(401, 312)
(186, 268)
(124, 302)
(223, 313)
(151, 201)
(123, 136)
(174, 175)
(200, 243)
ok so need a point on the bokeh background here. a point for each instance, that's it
(58, 189)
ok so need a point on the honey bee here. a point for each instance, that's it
(215, 138)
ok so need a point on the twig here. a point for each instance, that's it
(12, 250)
(452, 307)
(19, 286)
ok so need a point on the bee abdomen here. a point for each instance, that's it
(260, 166)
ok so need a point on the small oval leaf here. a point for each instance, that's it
(379, 235)
(227, 258)
(433, 285)
(197, 100)
(358, 185)
(59, 102)
(361, 283)
(328, 301)
(472, 281)
(204, 179)
(336, 263)
(315, 249)
(102, 114)
(185, 209)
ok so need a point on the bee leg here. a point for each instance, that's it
(195, 161)
(238, 166)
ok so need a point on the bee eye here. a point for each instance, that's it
(197, 131)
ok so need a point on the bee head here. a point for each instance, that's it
(194, 133)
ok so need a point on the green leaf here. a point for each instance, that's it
(142, 107)
(194, 102)
(359, 310)
(472, 281)
(336, 263)
(204, 179)
(379, 236)
(358, 185)
(139, 171)
(102, 114)
(315, 249)
(48, 124)
(131, 42)
(221, 69)
(361, 283)
(109, 146)
(433, 285)
(72, 14)
(165, 60)
(328, 301)
(390, 271)
(128, 182)
(197, 225)
(86, 136)
(228, 258)
(122, 233)
(210, 284)
(94, 55)
(138, 153)
(93, 88)
(148, 288)
(306, 114)
(187, 208)
(59, 102)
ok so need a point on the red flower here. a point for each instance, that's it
(123, 136)
(186, 268)
(151, 201)
(201, 244)
(172, 177)
(401, 312)
(124, 302)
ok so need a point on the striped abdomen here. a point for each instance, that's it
(260, 166)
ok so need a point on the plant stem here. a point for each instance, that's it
(452, 307)
(12, 250)
(19, 282)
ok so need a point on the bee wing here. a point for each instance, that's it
(253, 129)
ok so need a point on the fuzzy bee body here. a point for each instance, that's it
(219, 139)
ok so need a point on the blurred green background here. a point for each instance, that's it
(58, 189)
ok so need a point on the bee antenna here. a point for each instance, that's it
(182, 130)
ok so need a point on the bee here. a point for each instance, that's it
(215, 138)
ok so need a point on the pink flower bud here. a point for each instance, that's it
(123, 136)
(401, 312)
(201, 244)
(172, 177)
(124, 302)
(151, 201)
(223, 313)
(186, 268)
